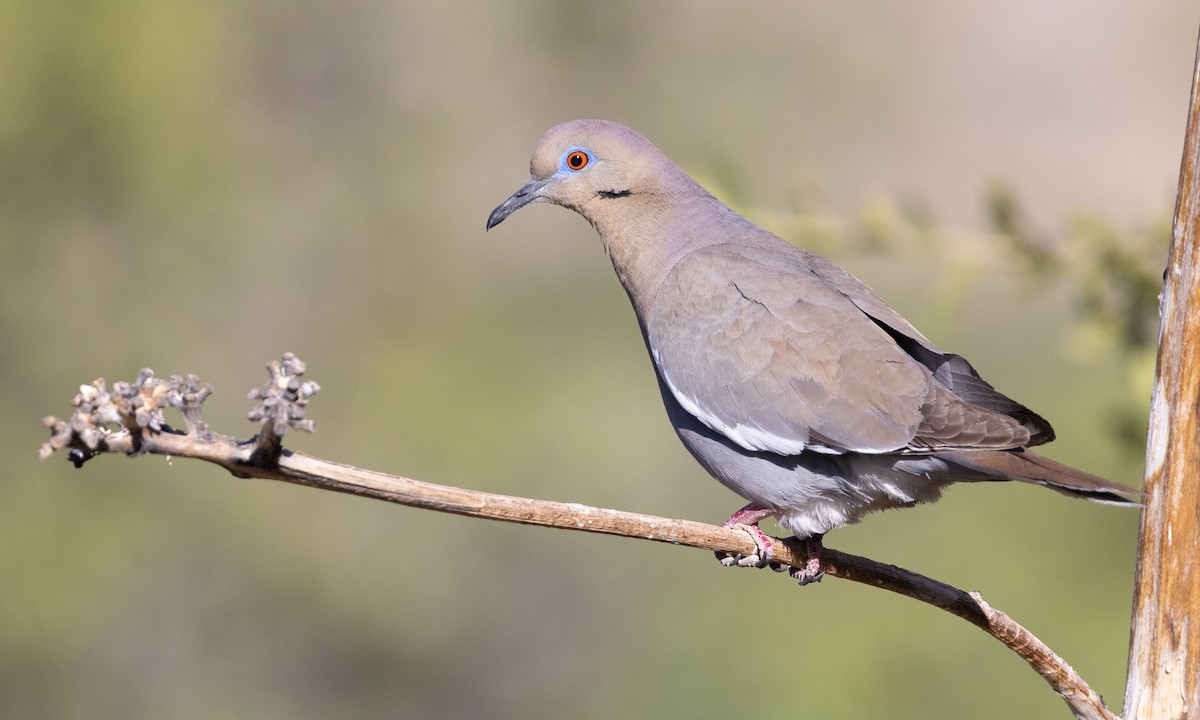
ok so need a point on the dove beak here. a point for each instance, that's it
(529, 192)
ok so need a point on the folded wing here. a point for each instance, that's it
(782, 351)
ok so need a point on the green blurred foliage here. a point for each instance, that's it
(198, 188)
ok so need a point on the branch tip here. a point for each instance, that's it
(120, 419)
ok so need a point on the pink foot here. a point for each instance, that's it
(747, 519)
(811, 571)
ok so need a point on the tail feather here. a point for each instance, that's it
(1026, 466)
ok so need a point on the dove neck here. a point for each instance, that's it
(648, 238)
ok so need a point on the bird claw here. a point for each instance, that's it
(760, 558)
(807, 574)
(747, 520)
(811, 571)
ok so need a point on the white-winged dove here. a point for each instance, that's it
(788, 379)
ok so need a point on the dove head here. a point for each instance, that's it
(596, 168)
(648, 212)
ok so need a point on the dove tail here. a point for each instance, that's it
(1026, 466)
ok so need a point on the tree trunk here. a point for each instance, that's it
(1164, 653)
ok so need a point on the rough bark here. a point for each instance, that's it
(1164, 653)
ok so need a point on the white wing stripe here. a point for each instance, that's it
(754, 439)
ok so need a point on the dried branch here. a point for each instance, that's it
(129, 420)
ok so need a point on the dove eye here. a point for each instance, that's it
(577, 160)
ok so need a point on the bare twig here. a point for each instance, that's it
(129, 420)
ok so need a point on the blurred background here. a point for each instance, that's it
(199, 187)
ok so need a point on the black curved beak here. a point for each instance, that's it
(529, 192)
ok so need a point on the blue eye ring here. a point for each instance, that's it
(576, 160)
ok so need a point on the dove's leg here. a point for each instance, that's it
(811, 570)
(748, 519)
